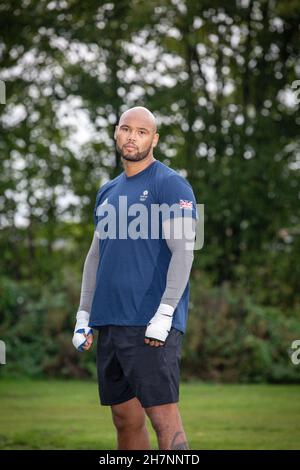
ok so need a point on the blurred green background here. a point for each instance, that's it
(222, 79)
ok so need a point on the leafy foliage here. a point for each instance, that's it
(218, 76)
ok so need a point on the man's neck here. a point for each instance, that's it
(132, 168)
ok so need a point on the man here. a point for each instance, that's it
(135, 290)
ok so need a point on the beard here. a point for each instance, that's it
(133, 157)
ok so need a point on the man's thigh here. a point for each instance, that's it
(113, 385)
(152, 372)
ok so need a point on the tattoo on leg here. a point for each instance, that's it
(178, 444)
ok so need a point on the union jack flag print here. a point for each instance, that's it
(184, 204)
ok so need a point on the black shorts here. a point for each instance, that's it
(127, 367)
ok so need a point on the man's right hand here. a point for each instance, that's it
(88, 343)
(83, 334)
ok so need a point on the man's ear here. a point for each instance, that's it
(155, 139)
(115, 133)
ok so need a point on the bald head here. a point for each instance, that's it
(142, 115)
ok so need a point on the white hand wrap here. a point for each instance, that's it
(159, 326)
(81, 328)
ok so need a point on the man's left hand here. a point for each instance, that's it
(159, 326)
(153, 342)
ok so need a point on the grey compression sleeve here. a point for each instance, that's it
(89, 276)
(178, 237)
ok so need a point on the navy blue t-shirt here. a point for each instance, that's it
(132, 271)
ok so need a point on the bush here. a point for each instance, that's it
(37, 323)
(229, 338)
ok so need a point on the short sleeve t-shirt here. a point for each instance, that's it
(134, 256)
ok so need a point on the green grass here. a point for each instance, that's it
(54, 414)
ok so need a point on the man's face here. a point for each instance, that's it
(135, 137)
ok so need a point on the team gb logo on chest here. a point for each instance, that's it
(144, 195)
